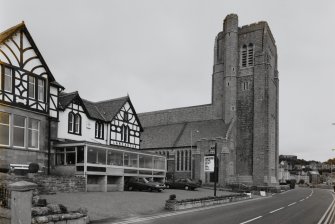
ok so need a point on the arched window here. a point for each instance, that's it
(182, 160)
(125, 133)
(77, 124)
(71, 122)
(99, 130)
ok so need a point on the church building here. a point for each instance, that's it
(241, 120)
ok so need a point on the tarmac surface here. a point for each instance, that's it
(127, 204)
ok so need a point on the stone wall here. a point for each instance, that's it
(48, 184)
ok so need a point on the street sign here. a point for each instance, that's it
(209, 163)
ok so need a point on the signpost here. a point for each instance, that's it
(211, 164)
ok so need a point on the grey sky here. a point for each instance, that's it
(161, 53)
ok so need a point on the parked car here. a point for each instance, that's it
(141, 183)
(184, 183)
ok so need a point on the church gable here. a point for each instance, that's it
(125, 127)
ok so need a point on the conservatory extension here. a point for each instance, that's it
(106, 168)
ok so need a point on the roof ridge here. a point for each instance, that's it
(218, 119)
(119, 98)
(71, 93)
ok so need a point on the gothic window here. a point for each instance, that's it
(70, 122)
(74, 123)
(4, 128)
(31, 87)
(125, 133)
(247, 55)
(99, 130)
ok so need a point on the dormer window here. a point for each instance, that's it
(99, 130)
(247, 55)
(74, 123)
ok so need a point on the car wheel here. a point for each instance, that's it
(186, 188)
(130, 188)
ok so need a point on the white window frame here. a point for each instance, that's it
(11, 79)
(9, 127)
(41, 88)
(24, 132)
(29, 86)
(38, 134)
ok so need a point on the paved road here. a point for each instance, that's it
(302, 205)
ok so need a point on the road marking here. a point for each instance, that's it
(142, 219)
(250, 220)
(331, 206)
(302, 199)
(276, 210)
(291, 204)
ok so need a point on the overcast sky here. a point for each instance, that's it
(161, 54)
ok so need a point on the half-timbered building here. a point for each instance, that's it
(28, 100)
(100, 140)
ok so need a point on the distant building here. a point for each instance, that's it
(314, 177)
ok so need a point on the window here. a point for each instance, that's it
(74, 123)
(245, 85)
(4, 128)
(125, 133)
(247, 55)
(41, 90)
(77, 124)
(8, 80)
(66, 156)
(33, 133)
(31, 87)
(99, 130)
(125, 116)
(70, 122)
(115, 158)
(19, 126)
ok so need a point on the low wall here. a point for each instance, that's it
(175, 205)
(49, 184)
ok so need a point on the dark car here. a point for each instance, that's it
(186, 184)
(141, 183)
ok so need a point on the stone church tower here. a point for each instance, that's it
(242, 117)
(245, 86)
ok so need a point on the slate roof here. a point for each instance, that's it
(102, 110)
(179, 135)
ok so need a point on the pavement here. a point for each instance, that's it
(112, 206)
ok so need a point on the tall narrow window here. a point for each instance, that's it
(8, 80)
(250, 55)
(99, 130)
(19, 126)
(41, 92)
(186, 160)
(4, 128)
(178, 160)
(125, 133)
(31, 87)
(244, 56)
(33, 133)
(77, 124)
(182, 160)
(190, 160)
(71, 122)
